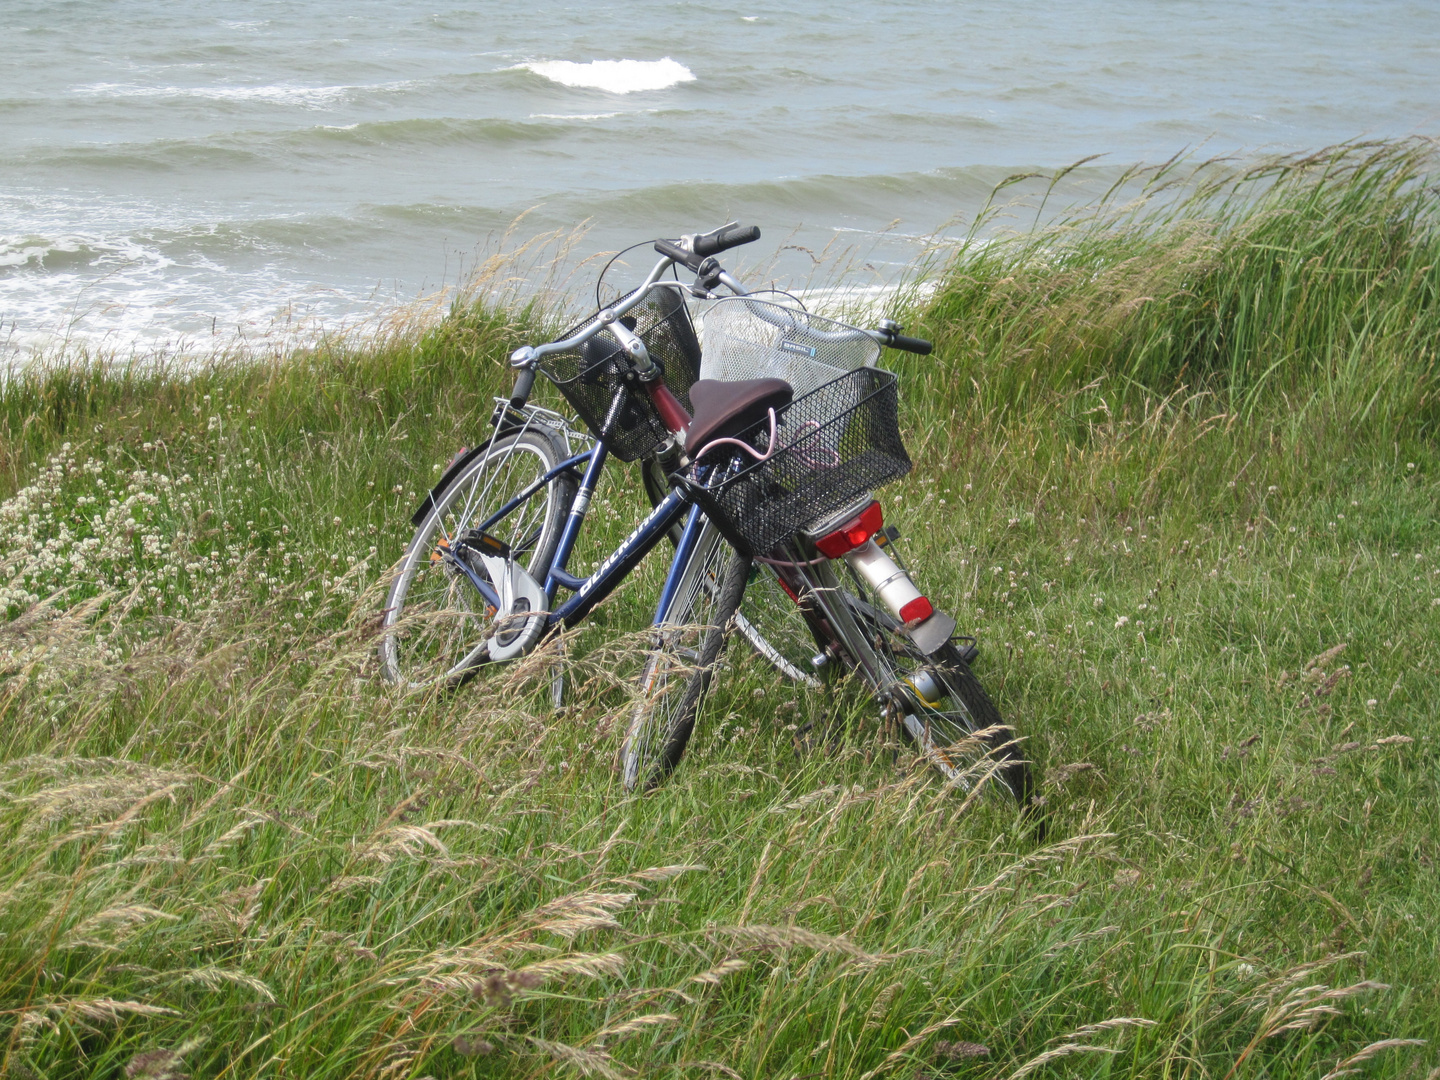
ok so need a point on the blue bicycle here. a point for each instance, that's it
(481, 579)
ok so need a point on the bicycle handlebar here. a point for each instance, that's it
(886, 335)
(691, 251)
(910, 344)
(527, 355)
(524, 383)
(672, 250)
(724, 238)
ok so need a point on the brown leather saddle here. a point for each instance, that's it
(725, 409)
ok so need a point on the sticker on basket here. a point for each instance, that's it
(796, 347)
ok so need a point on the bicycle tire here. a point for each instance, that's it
(960, 728)
(433, 631)
(681, 661)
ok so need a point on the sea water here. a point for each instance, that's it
(201, 174)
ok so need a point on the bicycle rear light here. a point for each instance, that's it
(852, 534)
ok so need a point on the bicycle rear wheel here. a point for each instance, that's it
(939, 702)
(437, 626)
(682, 660)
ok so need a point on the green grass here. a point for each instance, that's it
(1170, 456)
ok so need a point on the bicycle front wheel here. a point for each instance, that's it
(771, 625)
(681, 661)
(437, 625)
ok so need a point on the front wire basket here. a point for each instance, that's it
(831, 446)
(590, 377)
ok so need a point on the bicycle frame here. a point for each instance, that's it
(590, 591)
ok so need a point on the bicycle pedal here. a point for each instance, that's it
(969, 653)
(482, 543)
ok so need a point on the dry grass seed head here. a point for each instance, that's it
(960, 1049)
(657, 873)
(1080, 939)
(787, 937)
(715, 974)
(629, 1027)
(1063, 1050)
(881, 1005)
(910, 1044)
(402, 841)
(1107, 1025)
(117, 795)
(472, 1046)
(115, 924)
(1366, 1053)
(583, 965)
(582, 912)
(588, 1062)
(214, 978)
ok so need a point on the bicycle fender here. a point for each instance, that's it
(428, 503)
(455, 467)
(932, 633)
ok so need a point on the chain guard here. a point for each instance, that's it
(523, 606)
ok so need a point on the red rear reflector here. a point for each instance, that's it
(852, 534)
(916, 610)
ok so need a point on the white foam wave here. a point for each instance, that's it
(614, 76)
(307, 97)
(137, 276)
(99, 253)
(573, 116)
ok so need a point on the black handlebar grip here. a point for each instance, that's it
(524, 383)
(912, 344)
(674, 251)
(724, 239)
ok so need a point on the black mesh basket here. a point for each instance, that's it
(592, 375)
(832, 445)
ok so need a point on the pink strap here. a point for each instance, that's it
(744, 445)
(774, 449)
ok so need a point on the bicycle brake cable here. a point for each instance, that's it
(599, 303)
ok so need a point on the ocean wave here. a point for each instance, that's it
(75, 251)
(305, 97)
(574, 116)
(432, 131)
(240, 149)
(613, 76)
(807, 198)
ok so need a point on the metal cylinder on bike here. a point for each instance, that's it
(890, 583)
(672, 414)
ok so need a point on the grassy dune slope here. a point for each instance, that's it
(1175, 463)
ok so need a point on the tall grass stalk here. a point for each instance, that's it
(1315, 278)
